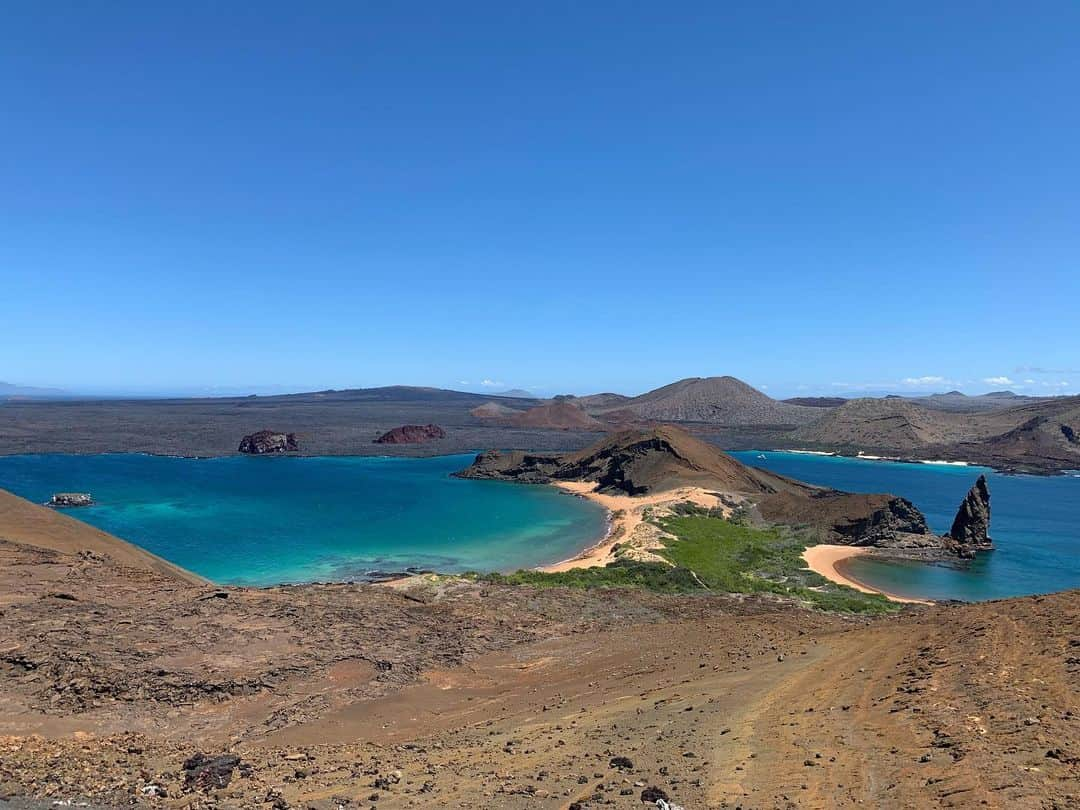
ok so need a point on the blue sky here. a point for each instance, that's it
(556, 196)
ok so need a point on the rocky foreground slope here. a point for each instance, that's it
(127, 684)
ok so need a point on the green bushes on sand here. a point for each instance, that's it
(711, 554)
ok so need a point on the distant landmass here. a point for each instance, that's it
(816, 402)
(1000, 429)
(12, 391)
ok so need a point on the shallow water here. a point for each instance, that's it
(260, 521)
(1035, 524)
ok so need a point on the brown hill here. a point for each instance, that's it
(715, 400)
(1048, 434)
(634, 462)
(591, 402)
(493, 410)
(665, 457)
(1042, 435)
(891, 423)
(557, 415)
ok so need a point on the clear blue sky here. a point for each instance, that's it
(557, 196)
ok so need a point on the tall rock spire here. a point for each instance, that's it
(970, 530)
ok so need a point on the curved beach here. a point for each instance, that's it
(625, 514)
(825, 560)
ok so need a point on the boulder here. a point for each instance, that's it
(65, 499)
(268, 441)
(970, 530)
(412, 434)
(210, 773)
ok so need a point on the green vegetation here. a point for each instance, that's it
(710, 553)
(732, 557)
(620, 574)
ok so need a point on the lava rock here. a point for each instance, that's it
(653, 795)
(209, 773)
(66, 499)
(268, 441)
(970, 530)
(412, 434)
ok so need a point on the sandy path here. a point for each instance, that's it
(822, 560)
(626, 513)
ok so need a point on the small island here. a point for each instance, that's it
(65, 500)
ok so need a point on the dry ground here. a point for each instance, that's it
(453, 694)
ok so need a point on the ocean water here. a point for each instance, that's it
(1035, 524)
(262, 521)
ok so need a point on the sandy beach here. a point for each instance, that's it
(823, 559)
(625, 514)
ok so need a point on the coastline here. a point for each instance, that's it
(861, 456)
(625, 514)
(824, 559)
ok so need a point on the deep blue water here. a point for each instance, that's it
(1035, 524)
(260, 521)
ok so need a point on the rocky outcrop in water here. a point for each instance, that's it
(970, 530)
(268, 441)
(63, 500)
(412, 434)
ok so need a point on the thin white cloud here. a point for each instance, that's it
(916, 384)
(1045, 370)
(492, 384)
(998, 381)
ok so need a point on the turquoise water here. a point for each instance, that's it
(261, 521)
(1035, 524)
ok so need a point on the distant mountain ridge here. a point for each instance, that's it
(13, 391)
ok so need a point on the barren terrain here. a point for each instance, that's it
(442, 692)
(1006, 432)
